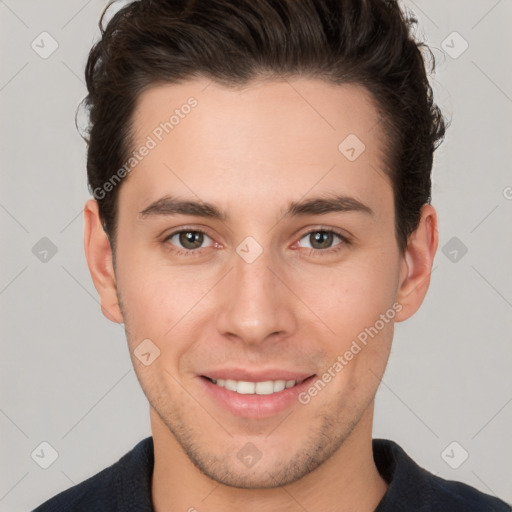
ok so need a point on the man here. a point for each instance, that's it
(261, 219)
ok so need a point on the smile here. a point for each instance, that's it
(267, 387)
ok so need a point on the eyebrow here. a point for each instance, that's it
(170, 205)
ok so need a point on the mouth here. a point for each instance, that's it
(266, 387)
(262, 397)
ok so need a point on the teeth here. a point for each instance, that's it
(246, 388)
(267, 387)
(279, 385)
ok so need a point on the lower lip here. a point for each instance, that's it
(255, 406)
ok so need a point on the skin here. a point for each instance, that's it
(251, 151)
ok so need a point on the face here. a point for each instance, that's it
(273, 278)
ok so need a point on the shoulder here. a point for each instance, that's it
(111, 488)
(95, 493)
(413, 488)
(460, 496)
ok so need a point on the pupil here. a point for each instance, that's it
(323, 238)
(191, 239)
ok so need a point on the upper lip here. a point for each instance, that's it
(256, 375)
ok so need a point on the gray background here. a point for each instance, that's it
(66, 375)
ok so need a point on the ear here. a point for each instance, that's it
(416, 265)
(99, 260)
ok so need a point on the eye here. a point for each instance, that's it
(322, 239)
(188, 239)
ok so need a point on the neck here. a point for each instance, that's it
(349, 480)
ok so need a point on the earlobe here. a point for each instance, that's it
(417, 264)
(99, 260)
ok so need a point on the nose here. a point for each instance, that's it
(255, 304)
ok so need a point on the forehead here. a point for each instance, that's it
(307, 109)
(258, 141)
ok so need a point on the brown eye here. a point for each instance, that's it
(188, 239)
(321, 239)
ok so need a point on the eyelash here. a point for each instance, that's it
(345, 241)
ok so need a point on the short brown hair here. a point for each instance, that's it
(366, 42)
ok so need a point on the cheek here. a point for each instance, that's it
(351, 296)
(159, 300)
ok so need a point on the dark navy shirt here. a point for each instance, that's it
(126, 486)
